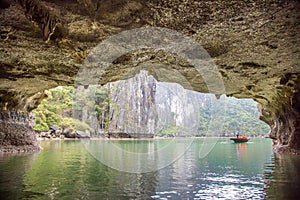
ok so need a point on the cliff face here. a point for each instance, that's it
(141, 106)
(123, 108)
(255, 45)
(133, 111)
(177, 106)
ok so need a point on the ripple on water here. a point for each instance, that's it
(231, 187)
(230, 192)
(234, 179)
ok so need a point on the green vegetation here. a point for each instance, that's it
(57, 110)
(241, 114)
(236, 115)
(93, 106)
(63, 103)
(172, 131)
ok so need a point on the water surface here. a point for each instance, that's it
(66, 170)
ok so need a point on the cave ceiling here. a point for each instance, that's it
(254, 44)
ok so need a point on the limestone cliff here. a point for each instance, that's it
(177, 106)
(123, 108)
(255, 45)
(133, 111)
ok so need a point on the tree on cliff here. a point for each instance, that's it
(95, 107)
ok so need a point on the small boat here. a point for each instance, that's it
(240, 139)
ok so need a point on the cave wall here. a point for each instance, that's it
(255, 45)
(16, 132)
(284, 116)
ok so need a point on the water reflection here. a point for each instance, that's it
(283, 177)
(138, 156)
(65, 170)
(73, 173)
(242, 150)
(230, 171)
(12, 169)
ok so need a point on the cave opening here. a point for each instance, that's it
(142, 107)
(255, 46)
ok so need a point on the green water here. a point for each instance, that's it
(67, 170)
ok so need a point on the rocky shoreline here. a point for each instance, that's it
(56, 132)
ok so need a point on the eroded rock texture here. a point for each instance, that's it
(16, 133)
(255, 45)
(285, 118)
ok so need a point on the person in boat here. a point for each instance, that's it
(239, 138)
(237, 134)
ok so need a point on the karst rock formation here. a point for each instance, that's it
(254, 44)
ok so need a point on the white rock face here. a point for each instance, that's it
(134, 110)
(177, 106)
(142, 106)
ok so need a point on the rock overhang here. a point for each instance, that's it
(255, 46)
